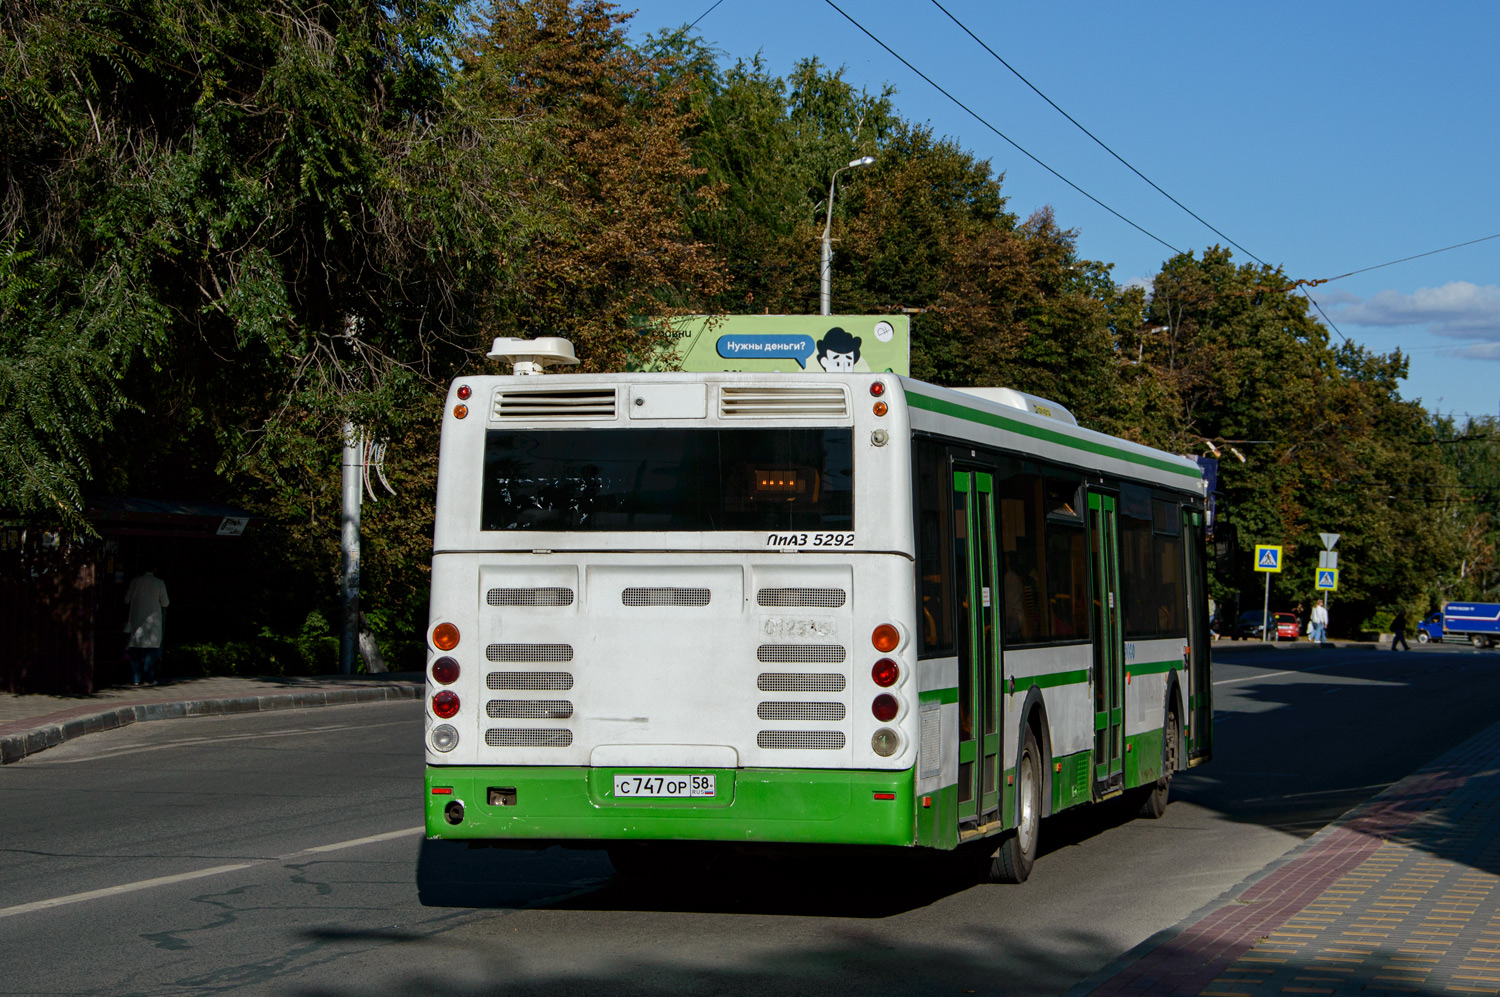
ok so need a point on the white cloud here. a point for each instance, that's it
(1458, 310)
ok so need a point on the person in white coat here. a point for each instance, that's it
(1319, 622)
(145, 622)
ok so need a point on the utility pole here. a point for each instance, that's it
(353, 480)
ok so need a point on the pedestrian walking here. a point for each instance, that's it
(1319, 623)
(1399, 626)
(145, 623)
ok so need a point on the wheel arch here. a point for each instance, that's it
(1174, 704)
(1033, 715)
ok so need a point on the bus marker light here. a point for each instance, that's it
(885, 638)
(445, 671)
(464, 392)
(460, 411)
(1057, 766)
(885, 707)
(877, 388)
(885, 673)
(445, 636)
(445, 703)
(1127, 678)
(926, 803)
(885, 796)
(442, 790)
(1010, 780)
(881, 408)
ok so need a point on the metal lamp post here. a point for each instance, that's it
(825, 298)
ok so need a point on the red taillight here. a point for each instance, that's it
(445, 671)
(445, 636)
(877, 388)
(885, 707)
(445, 704)
(464, 392)
(885, 673)
(885, 638)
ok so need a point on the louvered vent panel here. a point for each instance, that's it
(930, 755)
(801, 740)
(800, 682)
(665, 597)
(529, 652)
(800, 711)
(503, 737)
(530, 597)
(821, 598)
(577, 403)
(529, 681)
(529, 709)
(743, 403)
(800, 653)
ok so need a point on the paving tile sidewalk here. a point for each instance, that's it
(30, 723)
(1398, 896)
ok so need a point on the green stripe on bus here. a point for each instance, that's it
(938, 696)
(997, 421)
(1024, 682)
(1153, 667)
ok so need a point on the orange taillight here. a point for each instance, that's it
(445, 636)
(885, 638)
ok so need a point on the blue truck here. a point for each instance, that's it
(1476, 623)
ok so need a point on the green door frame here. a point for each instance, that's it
(1108, 673)
(975, 549)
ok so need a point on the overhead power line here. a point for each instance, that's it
(981, 119)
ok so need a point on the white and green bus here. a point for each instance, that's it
(796, 609)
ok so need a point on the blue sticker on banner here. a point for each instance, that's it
(768, 347)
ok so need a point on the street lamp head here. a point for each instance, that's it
(862, 161)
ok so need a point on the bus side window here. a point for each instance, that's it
(934, 551)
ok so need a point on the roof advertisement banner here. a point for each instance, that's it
(809, 343)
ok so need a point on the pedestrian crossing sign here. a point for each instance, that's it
(1267, 557)
(1328, 580)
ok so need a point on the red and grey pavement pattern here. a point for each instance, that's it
(28, 735)
(1398, 896)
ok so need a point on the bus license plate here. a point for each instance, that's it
(670, 786)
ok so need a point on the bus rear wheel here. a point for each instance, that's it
(1153, 800)
(1013, 860)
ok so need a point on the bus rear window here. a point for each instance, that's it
(691, 480)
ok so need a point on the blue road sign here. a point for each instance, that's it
(1267, 557)
(1328, 580)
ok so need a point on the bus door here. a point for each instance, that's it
(979, 757)
(1200, 704)
(1108, 673)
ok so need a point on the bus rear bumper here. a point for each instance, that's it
(571, 803)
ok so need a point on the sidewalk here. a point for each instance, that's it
(29, 724)
(1398, 896)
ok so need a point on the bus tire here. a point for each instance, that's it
(1013, 860)
(1155, 798)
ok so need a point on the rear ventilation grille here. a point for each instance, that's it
(529, 652)
(800, 711)
(577, 403)
(502, 737)
(800, 682)
(529, 681)
(800, 653)
(741, 403)
(821, 598)
(529, 597)
(665, 597)
(801, 740)
(529, 709)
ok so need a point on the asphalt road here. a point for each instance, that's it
(277, 854)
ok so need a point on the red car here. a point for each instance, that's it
(1287, 627)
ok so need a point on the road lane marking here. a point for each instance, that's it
(183, 877)
(1271, 675)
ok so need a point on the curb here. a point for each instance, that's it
(15, 747)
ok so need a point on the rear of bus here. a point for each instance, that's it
(673, 607)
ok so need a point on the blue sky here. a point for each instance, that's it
(1325, 137)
